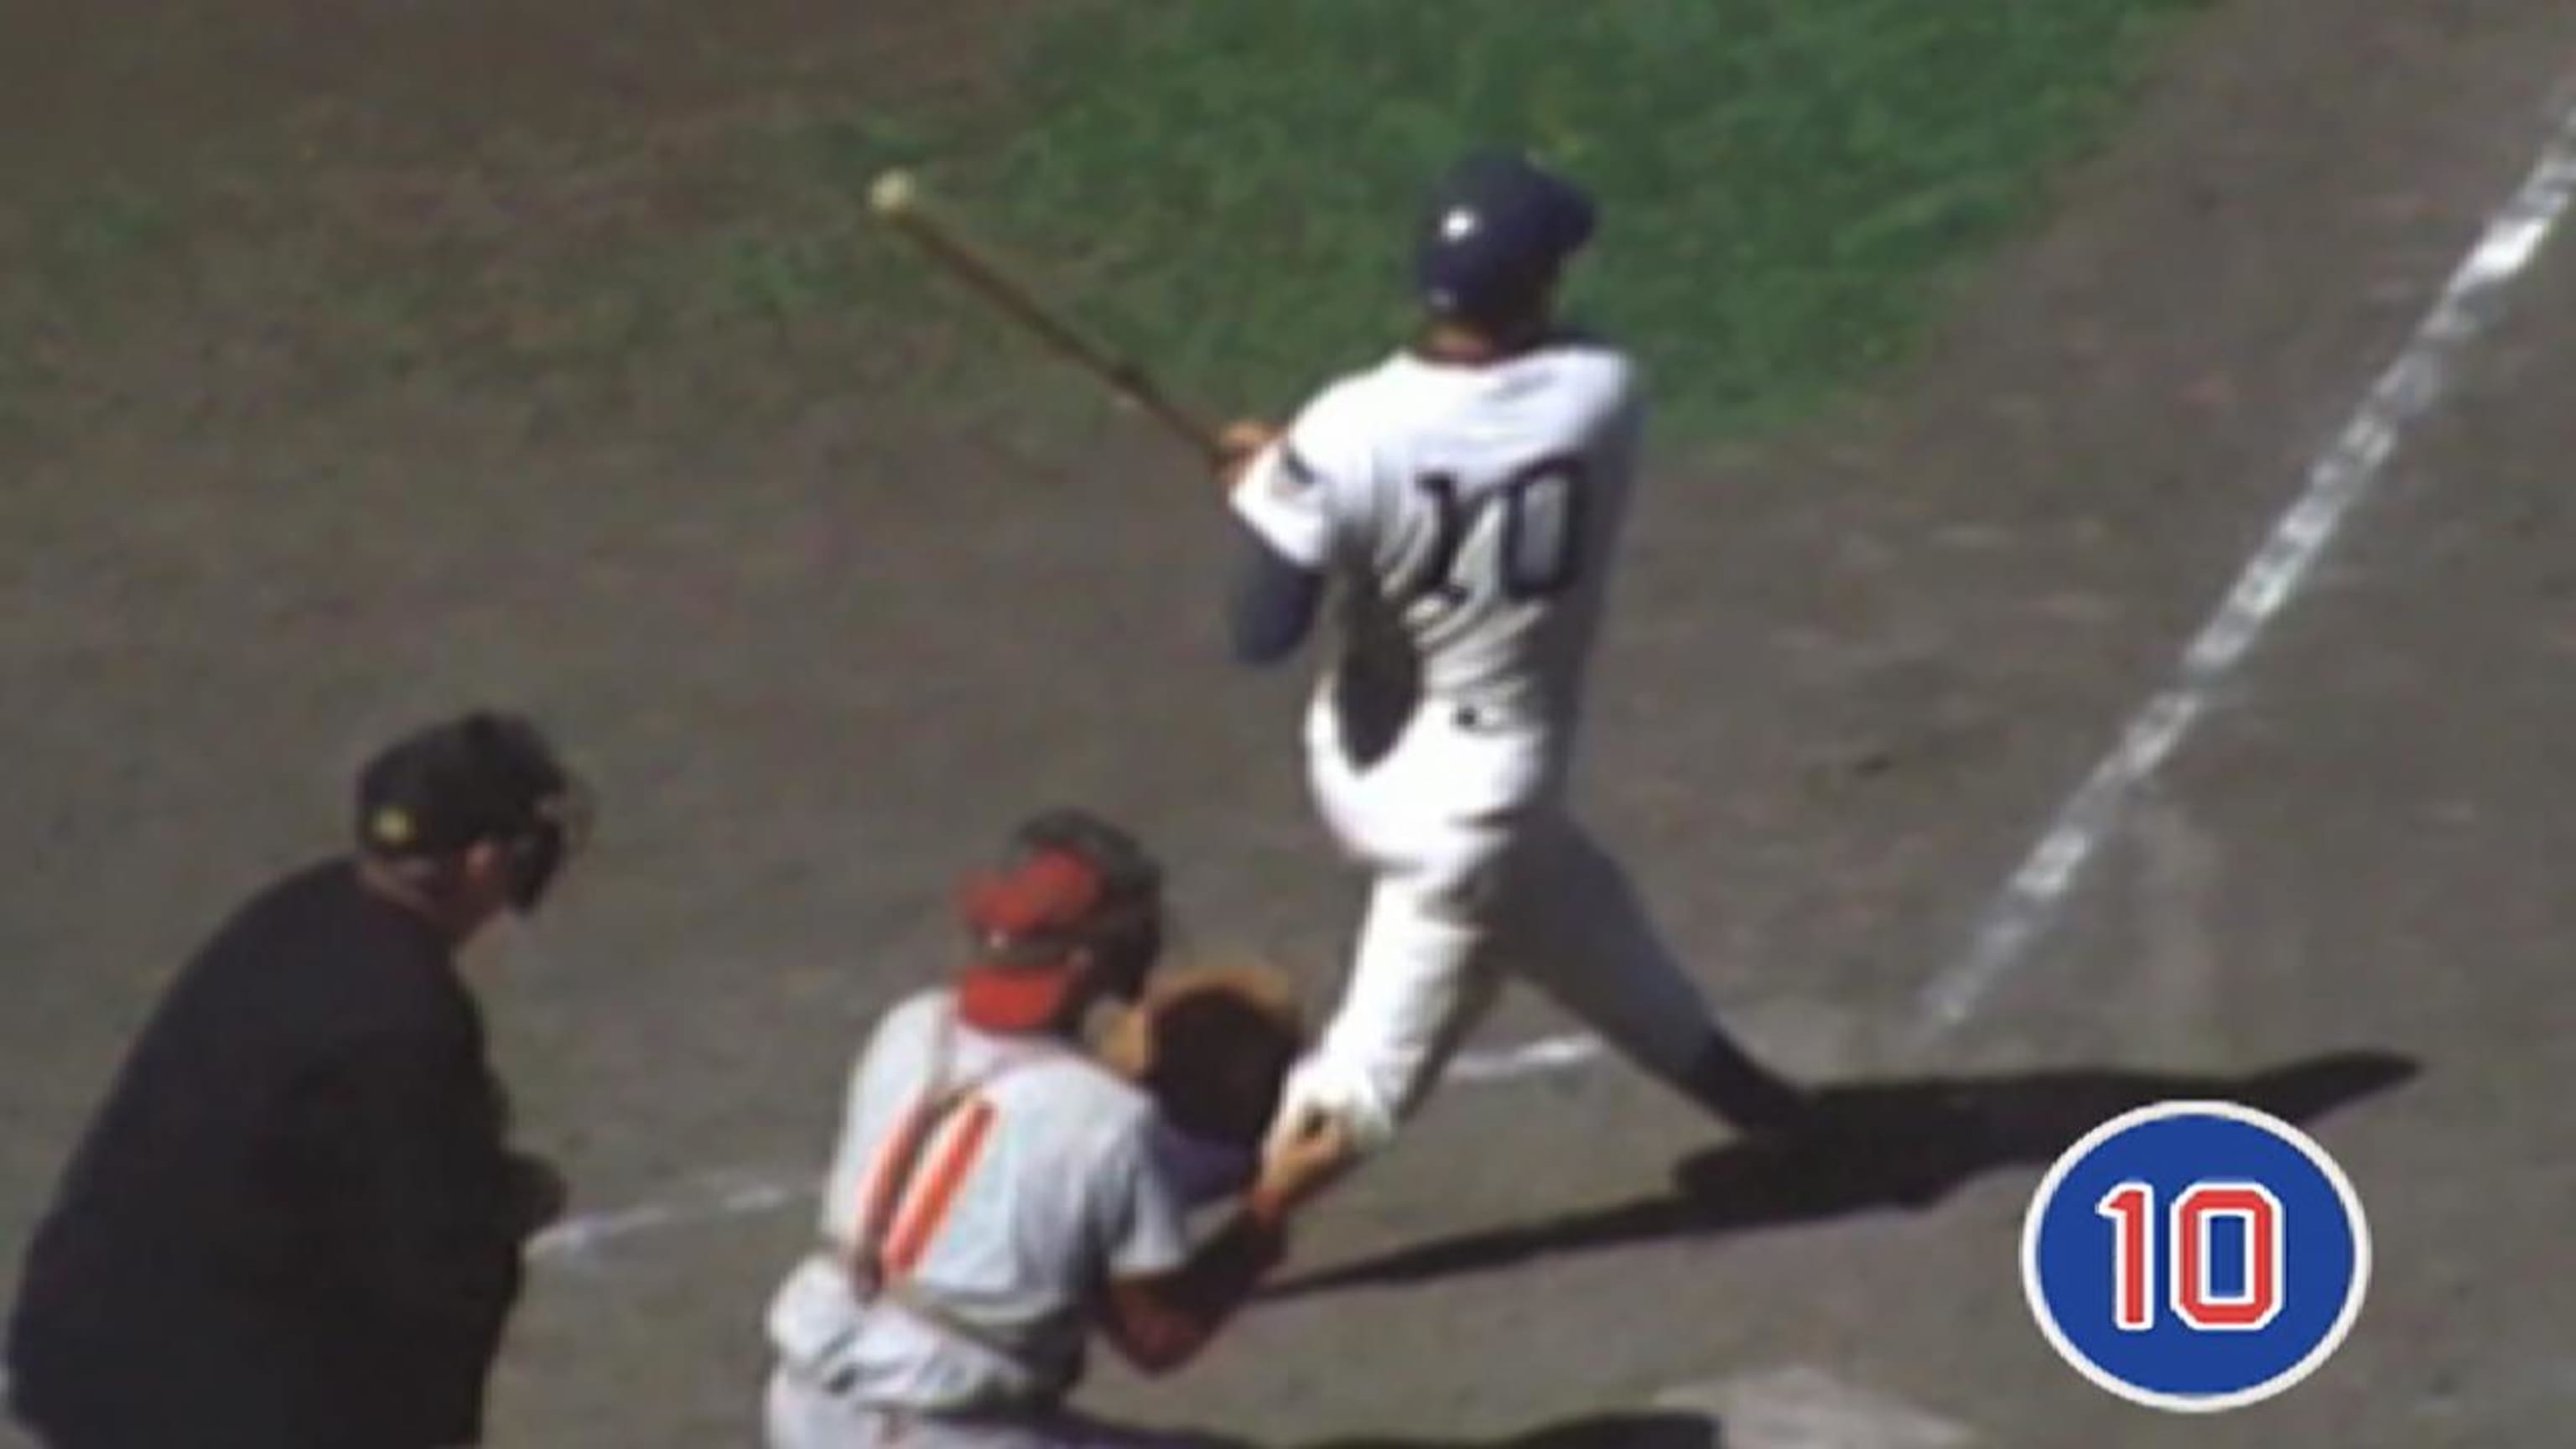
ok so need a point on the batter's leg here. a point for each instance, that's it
(1419, 983)
(1578, 931)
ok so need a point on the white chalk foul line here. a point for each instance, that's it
(743, 1193)
(1530, 1059)
(2346, 474)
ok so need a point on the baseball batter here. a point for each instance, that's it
(1464, 498)
(998, 1195)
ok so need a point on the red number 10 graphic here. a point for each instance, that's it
(2131, 1207)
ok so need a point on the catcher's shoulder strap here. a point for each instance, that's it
(873, 1273)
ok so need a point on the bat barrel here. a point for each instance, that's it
(896, 198)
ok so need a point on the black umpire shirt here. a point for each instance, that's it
(295, 1222)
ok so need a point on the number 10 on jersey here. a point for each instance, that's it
(1529, 529)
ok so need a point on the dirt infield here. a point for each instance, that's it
(818, 652)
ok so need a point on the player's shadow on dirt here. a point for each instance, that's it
(1644, 1430)
(1902, 1144)
(1606, 1431)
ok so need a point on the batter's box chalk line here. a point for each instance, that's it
(712, 1198)
(1803, 1407)
(580, 1241)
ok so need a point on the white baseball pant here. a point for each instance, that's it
(1479, 874)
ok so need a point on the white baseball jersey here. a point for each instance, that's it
(1469, 515)
(1470, 512)
(1043, 1185)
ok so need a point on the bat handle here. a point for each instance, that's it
(1132, 383)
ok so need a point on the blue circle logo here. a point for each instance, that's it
(2195, 1256)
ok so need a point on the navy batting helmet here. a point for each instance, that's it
(1497, 229)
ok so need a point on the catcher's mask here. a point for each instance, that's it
(483, 777)
(1075, 910)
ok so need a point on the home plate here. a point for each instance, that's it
(1806, 1408)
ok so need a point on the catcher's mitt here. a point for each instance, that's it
(1213, 1043)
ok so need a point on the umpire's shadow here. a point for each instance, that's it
(1900, 1144)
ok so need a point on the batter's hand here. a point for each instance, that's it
(1242, 441)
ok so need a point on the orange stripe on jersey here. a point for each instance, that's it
(883, 1183)
(952, 1156)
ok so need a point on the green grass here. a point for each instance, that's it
(1225, 188)
(1228, 186)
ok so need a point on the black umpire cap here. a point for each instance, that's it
(485, 776)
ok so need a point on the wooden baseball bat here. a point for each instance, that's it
(896, 198)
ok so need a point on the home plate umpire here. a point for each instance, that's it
(295, 1223)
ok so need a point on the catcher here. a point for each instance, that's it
(1000, 1191)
